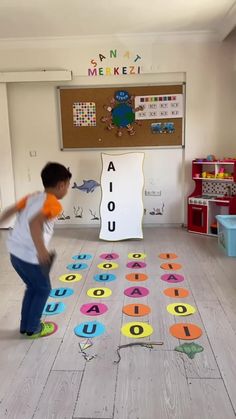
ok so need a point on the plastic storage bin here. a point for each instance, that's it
(227, 233)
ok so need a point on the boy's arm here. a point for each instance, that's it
(36, 230)
(8, 213)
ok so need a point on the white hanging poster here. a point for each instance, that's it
(121, 207)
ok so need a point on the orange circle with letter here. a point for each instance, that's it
(176, 292)
(168, 256)
(186, 331)
(136, 277)
(171, 266)
(136, 310)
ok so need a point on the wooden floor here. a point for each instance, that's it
(49, 377)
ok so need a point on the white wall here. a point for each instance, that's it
(208, 68)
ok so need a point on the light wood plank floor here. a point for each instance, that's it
(50, 379)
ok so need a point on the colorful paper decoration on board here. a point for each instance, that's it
(136, 310)
(159, 106)
(104, 277)
(84, 114)
(82, 256)
(99, 292)
(136, 277)
(92, 309)
(185, 331)
(168, 256)
(180, 309)
(77, 266)
(136, 292)
(89, 329)
(109, 256)
(176, 292)
(136, 256)
(136, 265)
(108, 266)
(190, 349)
(53, 308)
(61, 292)
(171, 266)
(172, 278)
(137, 330)
(70, 278)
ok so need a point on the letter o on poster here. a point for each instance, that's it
(137, 330)
(89, 329)
(136, 256)
(99, 292)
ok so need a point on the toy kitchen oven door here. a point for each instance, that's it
(198, 215)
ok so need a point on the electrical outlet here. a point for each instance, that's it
(152, 193)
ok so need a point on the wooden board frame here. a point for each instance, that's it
(99, 136)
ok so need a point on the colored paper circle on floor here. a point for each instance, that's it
(171, 266)
(172, 278)
(61, 292)
(136, 310)
(136, 277)
(93, 309)
(176, 292)
(185, 331)
(180, 309)
(136, 265)
(99, 292)
(104, 277)
(108, 265)
(136, 256)
(109, 256)
(77, 266)
(89, 329)
(70, 277)
(136, 292)
(168, 256)
(137, 330)
(53, 308)
(82, 256)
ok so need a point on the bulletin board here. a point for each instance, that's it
(115, 117)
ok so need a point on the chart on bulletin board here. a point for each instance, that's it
(135, 116)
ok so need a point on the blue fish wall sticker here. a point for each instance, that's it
(87, 186)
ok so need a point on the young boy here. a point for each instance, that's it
(27, 244)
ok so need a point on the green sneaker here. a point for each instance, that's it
(48, 328)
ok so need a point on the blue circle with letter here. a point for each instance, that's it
(89, 329)
(61, 292)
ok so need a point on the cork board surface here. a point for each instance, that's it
(86, 113)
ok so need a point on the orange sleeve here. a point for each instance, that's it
(51, 207)
(22, 203)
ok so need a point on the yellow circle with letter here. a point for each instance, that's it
(136, 330)
(136, 255)
(99, 292)
(70, 277)
(108, 265)
(180, 309)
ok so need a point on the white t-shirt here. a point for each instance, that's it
(20, 243)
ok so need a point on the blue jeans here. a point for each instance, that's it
(37, 291)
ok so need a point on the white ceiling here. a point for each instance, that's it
(75, 18)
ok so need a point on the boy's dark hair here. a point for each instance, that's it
(53, 173)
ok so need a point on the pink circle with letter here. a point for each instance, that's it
(136, 292)
(93, 309)
(109, 256)
(172, 278)
(136, 265)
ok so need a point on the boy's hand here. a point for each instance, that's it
(44, 257)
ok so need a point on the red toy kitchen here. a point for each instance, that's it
(214, 194)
